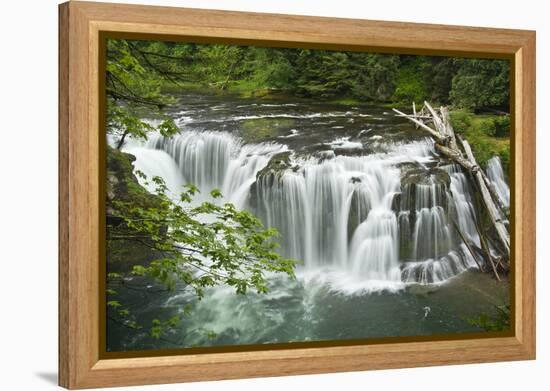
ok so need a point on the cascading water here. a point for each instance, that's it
(463, 204)
(212, 160)
(311, 206)
(367, 215)
(202, 157)
(153, 163)
(496, 176)
(360, 200)
(431, 203)
(282, 202)
(338, 211)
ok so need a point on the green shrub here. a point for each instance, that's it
(411, 84)
(480, 83)
(502, 126)
(499, 321)
(505, 160)
(487, 126)
(461, 120)
(481, 132)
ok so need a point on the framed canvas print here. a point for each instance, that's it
(247, 195)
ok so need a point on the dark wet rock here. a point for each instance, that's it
(396, 203)
(425, 193)
(422, 176)
(358, 212)
(422, 187)
(275, 168)
(418, 289)
(324, 155)
(256, 130)
(406, 230)
(122, 185)
(266, 177)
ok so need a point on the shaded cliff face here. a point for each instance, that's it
(122, 185)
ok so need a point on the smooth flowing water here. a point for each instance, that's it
(360, 200)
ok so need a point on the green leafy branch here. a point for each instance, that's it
(499, 322)
(201, 245)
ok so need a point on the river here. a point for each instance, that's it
(359, 197)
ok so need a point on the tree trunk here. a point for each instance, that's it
(121, 141)
(446, 144)
(494, 215)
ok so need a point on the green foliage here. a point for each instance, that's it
(440, 76)
(502, 126)
(494, 126)
(327, 74)
(481, 83)
(203, 245)
(139, 70)
(128, 79)
(200, 246)
(412, 82)
(374, 75)
(498, 126)
(488, 127)
(131, 84)
(483, 132)
(160, 327)
(121, 121)
(461, 120)
(499, 322)
(270, 68)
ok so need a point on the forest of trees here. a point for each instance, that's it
(473, 84)
(143, 73)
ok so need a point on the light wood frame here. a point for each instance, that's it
(80, 24)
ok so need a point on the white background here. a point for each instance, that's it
(28, 207)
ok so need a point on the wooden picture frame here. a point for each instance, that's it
(80, 27)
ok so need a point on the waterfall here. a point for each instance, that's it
(217, 160)
(311, 208)
(326, 188)
(431, 203)
(156, 163)
(374, 252)
(431, 234)
(496, 176)
(284, 204)
(203, 157)
(463, 203)
(242, 169)
(385, 217)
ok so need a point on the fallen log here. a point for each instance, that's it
(486, 250)
(447, 125)
(414, 113)
(468, 246)
(446, 144)
(494, 214)
(438, 123)
(421, 124)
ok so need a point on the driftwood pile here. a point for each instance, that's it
(452, 146)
